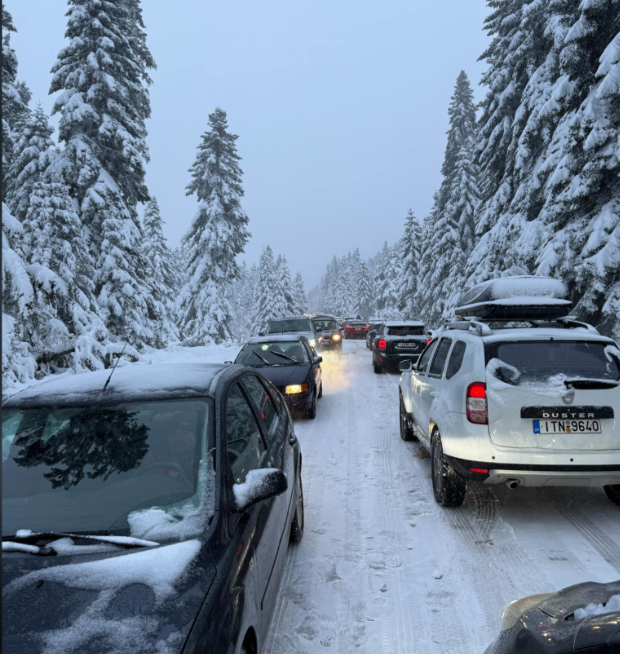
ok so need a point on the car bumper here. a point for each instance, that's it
(299, 401)
(330, 344)
(536, 475)
(392, 360)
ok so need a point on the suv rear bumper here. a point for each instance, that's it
(392, 360)
(537, 475)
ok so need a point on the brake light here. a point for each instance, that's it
(480, 470)
(428, 340)
(381, 344)
(476, 403)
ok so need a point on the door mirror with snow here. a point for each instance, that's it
(259, 485)
(405, 366)
(318, 359)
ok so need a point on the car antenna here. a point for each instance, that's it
(113, 369)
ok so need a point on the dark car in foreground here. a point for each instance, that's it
(574, 619)
(149, 516)
(355, 329)
(398, 340)
(291, 364)
(328, 333)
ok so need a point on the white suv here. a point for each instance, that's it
(535, 405)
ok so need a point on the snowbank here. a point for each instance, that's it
(598, 609)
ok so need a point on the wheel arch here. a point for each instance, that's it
(250, 642)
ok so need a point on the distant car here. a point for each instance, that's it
(291, 364)
(328, 334)
(294, 325)
(372, 332)
(355, 329)
(398, 340)
(157, 511)
(519, 394)
(575, 619)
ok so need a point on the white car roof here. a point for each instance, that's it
(529, 334)
(403, 323)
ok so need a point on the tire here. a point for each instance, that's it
(311, 412)
(406, 428)
(297, 526)
(376, 367)
(613, 493)
(449, 487)
(320, 395)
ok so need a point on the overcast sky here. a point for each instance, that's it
(340, 107)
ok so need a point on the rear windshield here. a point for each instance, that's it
(283, 326)
(405, 330)
(357, 323)
(536, 360)
(325, 324)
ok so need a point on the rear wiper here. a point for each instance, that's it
(590, 383)
(284, 356)
(267, 363)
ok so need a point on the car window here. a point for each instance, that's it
(405, 330)
(280, 353)
(439, 360)
(268, 413)
(426, 355)
(311, 353)
(244, 442)
(284, 326)
(456, 359)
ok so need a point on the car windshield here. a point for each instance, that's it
(86, 468)
(284, 326)
(325, 324)
(405, 330)
(277, 353)
(356, 323)
(538, 360)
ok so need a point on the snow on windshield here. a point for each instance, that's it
(598, 609)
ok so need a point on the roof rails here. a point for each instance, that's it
(485, 328)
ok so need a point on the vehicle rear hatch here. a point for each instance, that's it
(405, 340)
(356, 327)
(553, 394)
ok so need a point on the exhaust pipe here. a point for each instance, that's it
(512, 483)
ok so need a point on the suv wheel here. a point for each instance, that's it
(320, 395)
(297, 526)
(406, 428)
(376, 367)
(448, 486)
(613, 493)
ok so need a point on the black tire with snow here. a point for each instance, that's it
(320, 395)
(613, 493)
(406, 427)
(376, 367)
(311, 412)
(448, 486)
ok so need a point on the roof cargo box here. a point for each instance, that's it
(523, 297)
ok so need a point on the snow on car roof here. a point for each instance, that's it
(543, 333)
(130, 382)
(403, 323)
(276, 338)
(289, 318)
(515, 288)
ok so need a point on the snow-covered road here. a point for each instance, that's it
(383, 569)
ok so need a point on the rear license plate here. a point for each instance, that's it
(567, 426)
(407, 346)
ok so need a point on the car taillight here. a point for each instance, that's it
(428, 340)
(381, 344)
(476, 403)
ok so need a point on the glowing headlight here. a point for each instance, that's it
(336, 337)
(312, 342)
(296, 388)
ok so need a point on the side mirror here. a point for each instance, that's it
(318, 359)
(259, 485)
(228, 362)
(405, 366)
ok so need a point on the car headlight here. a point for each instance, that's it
(513, 611)
(312, 342)
(336, 337)
(293, 389)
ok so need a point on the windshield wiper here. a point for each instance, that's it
(267, 363)
(31, 538)
(284, 356)
(590, 383)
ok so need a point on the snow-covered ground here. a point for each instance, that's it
(383, 569)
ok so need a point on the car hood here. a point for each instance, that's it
(283, 375)
(134, 601)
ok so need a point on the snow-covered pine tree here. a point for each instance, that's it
(299, 295)
(266, 303)
(162, 275)
(286, 294)
(33, 153)
(424, 298)
(18, 364)
(13, 106)
(102, 75)
(217, 235)
(365, 299)
(412, 248)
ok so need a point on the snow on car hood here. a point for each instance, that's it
(134, 602)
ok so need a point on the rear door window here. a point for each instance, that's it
(456, 359)
(439, 360)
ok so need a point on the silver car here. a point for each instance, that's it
(294, 325)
